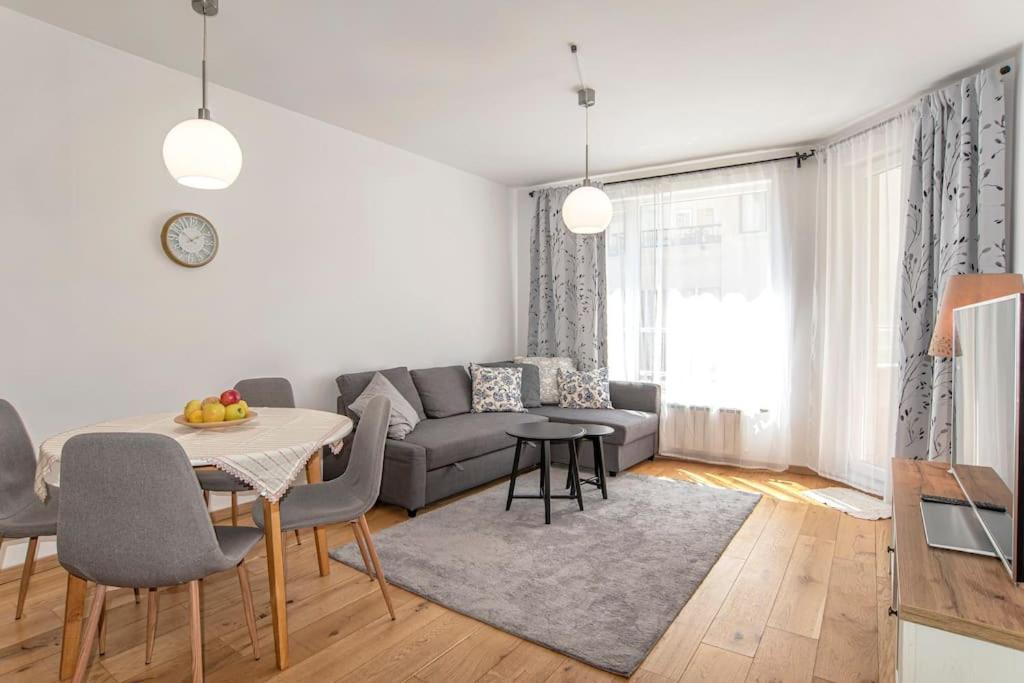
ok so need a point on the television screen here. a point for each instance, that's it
(986, 401)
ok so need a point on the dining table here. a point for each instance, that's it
(268, 453)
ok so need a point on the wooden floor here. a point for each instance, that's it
(799, 595)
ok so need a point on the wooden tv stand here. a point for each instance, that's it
(960, 616)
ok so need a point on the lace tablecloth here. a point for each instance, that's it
(267, 453)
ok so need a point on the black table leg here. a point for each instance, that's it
(574, 472)
(515, 471)
(545, 451)
(543, 485)
(599, 465)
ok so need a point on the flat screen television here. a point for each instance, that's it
(987, 403)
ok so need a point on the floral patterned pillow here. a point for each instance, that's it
(584, 389)
(549, 368)
(497, 390)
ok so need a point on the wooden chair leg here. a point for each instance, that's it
(234, 508)
(376, 564)
(195, 631)
(247, 607)
(298, 537)
(357, 531)
(152, 613)
(137, 598)
(320, 539)
(98, 600)
(101, 640)
(26, 575)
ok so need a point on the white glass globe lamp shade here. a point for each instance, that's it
(203, 154)
(587, 210)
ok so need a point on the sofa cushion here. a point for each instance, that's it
(629, 425)
(444, 391)
(497, 390)
(403, 416)
(461, 437)
(548, 368)
(352, 384)
(531, 380)
(583, 388)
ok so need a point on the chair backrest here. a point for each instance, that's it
(366, 462)
(17, 462)
(267, 392)
(131, 512)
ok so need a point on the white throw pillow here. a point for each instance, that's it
(584, 389)
(497, 390)
(549, 368)
(403, 416)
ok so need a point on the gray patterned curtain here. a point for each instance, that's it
(955, 224)
(568, 289)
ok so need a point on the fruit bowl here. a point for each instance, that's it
(180, 419)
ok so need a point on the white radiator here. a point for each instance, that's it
(702, 431)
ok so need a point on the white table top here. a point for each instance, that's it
(267, 453)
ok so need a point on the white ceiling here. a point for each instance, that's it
(489, 86)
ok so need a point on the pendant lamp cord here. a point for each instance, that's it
(204, 113)
(586, 119)
(586, 140)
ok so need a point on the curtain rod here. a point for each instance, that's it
(799, 156)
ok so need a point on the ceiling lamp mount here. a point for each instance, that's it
(198, 152)
(587, 210)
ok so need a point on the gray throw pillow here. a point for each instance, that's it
(444, 391)
(531, 381)
(403, 416)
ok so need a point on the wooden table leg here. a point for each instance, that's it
(74, 608)
(275, 576)
(314, 475)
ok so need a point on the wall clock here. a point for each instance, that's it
(189, 240)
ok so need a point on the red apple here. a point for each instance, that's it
(230, 396)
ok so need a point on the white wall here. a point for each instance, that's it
(337, 252)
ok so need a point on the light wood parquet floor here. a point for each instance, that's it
(800, 594)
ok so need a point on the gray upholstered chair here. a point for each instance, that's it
(132, 514)
(348, 497)
(266, 392)
(22, 514)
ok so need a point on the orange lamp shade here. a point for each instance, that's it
(964, 290)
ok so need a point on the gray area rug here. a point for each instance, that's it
(600, 586)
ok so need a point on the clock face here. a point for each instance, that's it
(189, 240)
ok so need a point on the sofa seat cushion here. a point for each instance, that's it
(452, 439)
(629, 425)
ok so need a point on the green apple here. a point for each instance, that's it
(234, 412)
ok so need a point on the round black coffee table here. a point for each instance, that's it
(595, 435)
(545, 434)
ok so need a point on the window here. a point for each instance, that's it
(753, 212)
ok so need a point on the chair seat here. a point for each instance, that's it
(220, 481)
(38, 519)
(236, 541)
(315, 505)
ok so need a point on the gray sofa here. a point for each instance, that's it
(452, 450)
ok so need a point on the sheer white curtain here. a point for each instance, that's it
(701, 298)
(860, 210)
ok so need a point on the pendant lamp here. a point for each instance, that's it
(199, 152)
(587, 210)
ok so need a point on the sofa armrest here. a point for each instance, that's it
(643, 396)
(404, 451)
